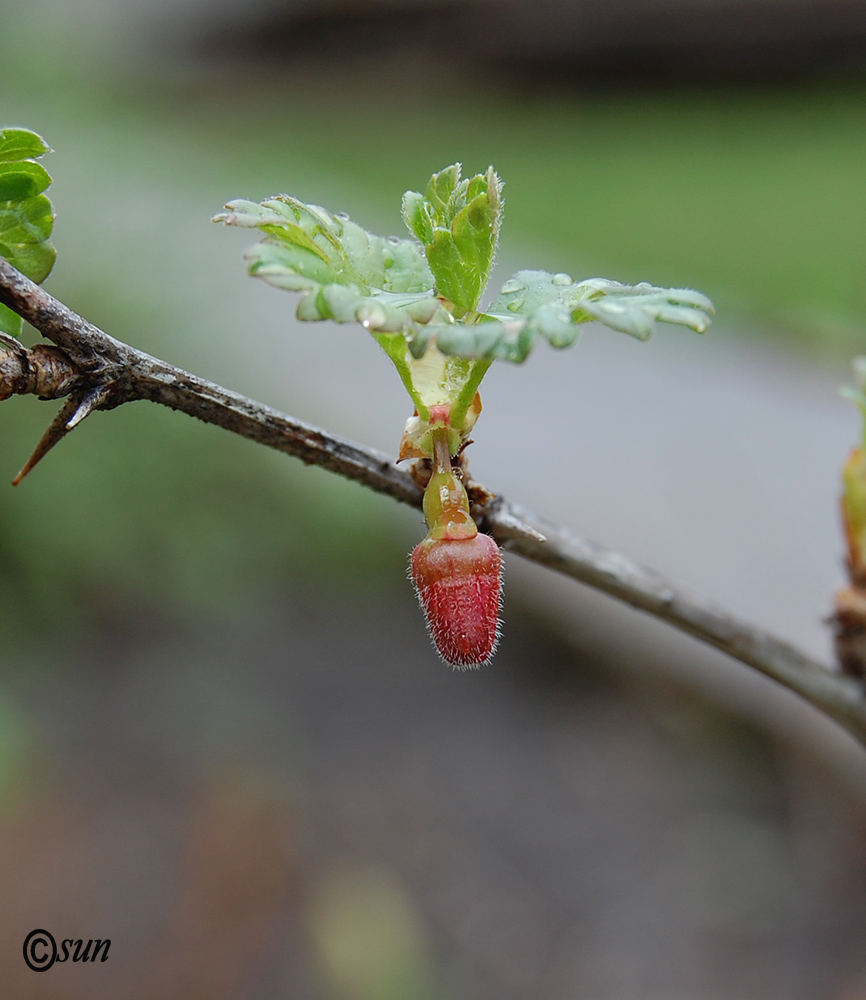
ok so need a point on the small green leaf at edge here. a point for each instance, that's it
(35, 260)
(26, 222)
(21, 180)
(857, 394)
(21, 144)
(10, 322)
(17, 145)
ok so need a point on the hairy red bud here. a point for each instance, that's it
(459, 581)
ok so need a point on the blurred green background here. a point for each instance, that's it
(159, 578)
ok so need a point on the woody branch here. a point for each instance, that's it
(104, 373)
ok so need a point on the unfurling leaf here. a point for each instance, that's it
(458, 222)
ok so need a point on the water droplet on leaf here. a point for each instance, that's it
(342, 216)
(513, 285)
(371, 317)
(562, 279)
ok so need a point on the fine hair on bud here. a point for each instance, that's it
(459, 585)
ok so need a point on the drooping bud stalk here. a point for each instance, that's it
(446, 505)
(457, 571)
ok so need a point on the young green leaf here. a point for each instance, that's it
(22, 179)
(458, 222)
(26, 214)
(536, 304)
(20, 144)
(345, 273)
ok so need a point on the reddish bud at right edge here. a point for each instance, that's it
(849, 617)
(459, 583)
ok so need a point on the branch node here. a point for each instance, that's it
(12, 343)
(44, 370)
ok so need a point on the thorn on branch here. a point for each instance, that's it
(47, 372)
(80, 404)
(92, 400)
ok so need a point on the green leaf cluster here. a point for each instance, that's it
(458, 221)
(421, 299)
(26, 214)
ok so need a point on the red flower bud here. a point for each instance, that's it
(459, 581)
